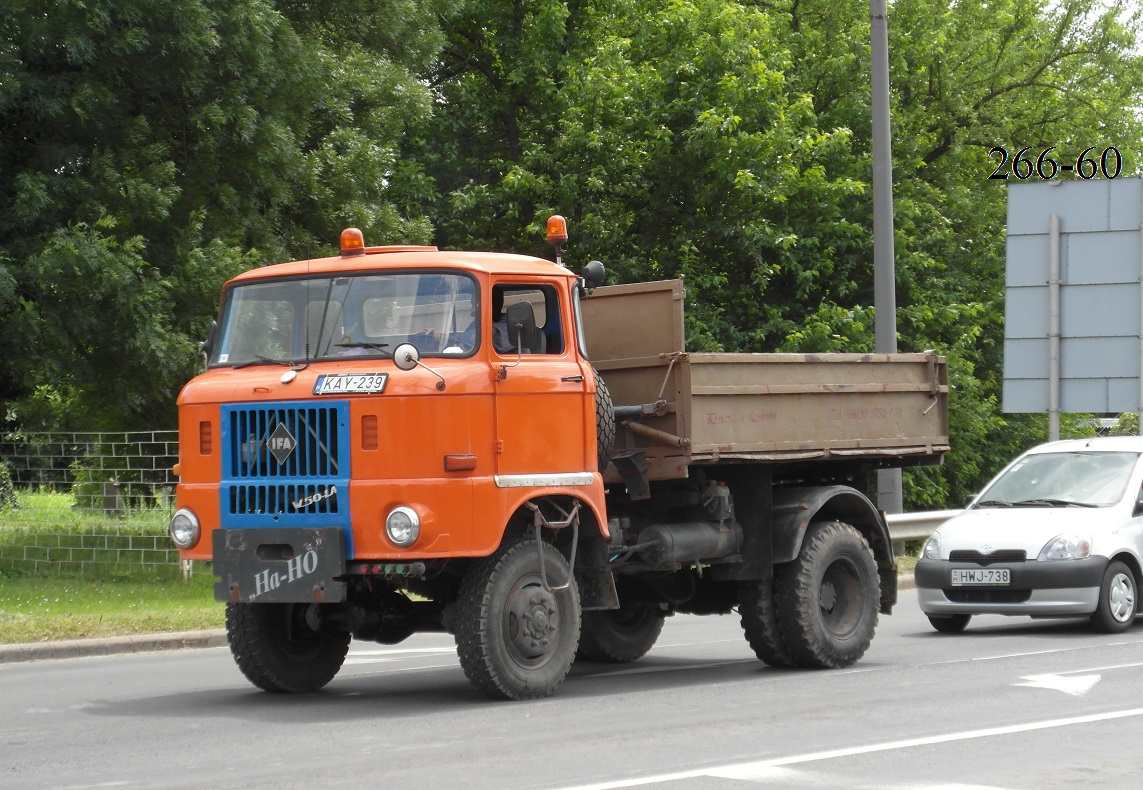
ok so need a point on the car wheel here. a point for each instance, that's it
(1117, 599)
(950, 624)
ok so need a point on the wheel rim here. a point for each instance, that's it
(531, 622)
(1121, 597)
(839, 590)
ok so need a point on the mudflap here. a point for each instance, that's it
(279, 565)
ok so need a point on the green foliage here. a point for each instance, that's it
(1126, 425)
(729, 143)
(151, 150)
(7, 491)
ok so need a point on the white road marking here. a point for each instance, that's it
(1077, 686)
(763, 768)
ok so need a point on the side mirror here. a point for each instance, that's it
(521, 323)
(593, 275)
(206, 347)
(406, 356)
(1138, 510)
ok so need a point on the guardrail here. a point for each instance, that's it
(915, 526)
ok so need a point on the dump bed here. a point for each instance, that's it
(681, 409)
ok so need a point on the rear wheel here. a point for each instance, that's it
(1117, 599)
(949, 624)
(760, 623)
(515, 638)
(621, 635)
(828, 597)
(282, 646)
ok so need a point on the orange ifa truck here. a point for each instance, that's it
(405, 439)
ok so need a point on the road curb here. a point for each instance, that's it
(178, 640)
(106, 646)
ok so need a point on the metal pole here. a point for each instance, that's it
(889, 497)
(1053, 327)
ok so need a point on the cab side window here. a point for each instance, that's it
(528, 314)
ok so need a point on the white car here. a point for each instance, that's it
(1058, 533)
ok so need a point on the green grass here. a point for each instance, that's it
(48, 608)
(105, 600)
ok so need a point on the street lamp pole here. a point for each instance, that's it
(889, 497)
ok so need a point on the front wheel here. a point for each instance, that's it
(517, 638)
(622, 635)
(282, 647)
(949, 624)
(828, 597)
(1117, 599)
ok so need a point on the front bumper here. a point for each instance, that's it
(1047, 589)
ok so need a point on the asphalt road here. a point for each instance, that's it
(1011, 703)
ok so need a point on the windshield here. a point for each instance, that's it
(302, 320)
(1062, 479)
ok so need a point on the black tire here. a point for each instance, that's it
(278, 650)
(760, 623)
(604, 421)
(515, 639)
(950, 624)
(1118, 599)
(828, 597)
(622, 635)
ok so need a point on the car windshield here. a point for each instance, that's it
(1062, 479)
(291, 321)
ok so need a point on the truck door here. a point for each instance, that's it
(543, 424)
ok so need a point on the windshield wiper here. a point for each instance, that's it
(993, 503)
(378, 346)
(1052, 503)
(261, 360)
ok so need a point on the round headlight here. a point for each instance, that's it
(403, 526)
(184, 528)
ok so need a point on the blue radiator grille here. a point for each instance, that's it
(256, 433)
(286, 464)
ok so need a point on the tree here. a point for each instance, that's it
(729, 142)
(151, 150)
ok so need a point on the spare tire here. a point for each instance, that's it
(604, 421)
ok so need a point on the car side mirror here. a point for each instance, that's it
(1138, 511)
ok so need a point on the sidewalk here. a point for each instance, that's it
(178, 640)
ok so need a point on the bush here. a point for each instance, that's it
(7, 490)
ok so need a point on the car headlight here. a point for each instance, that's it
(1068, 546)
(403, 526)
(184, 528)
(931, 550)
